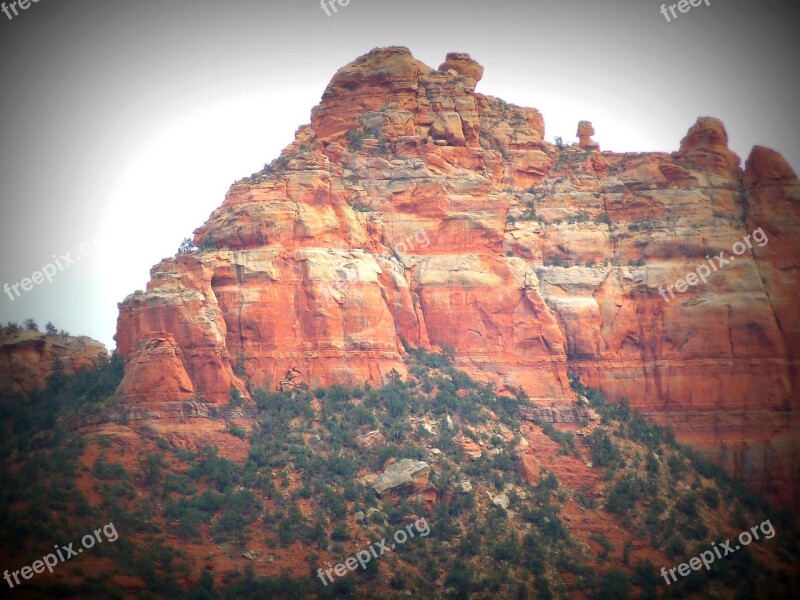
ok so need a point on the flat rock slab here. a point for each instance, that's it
(405, 472)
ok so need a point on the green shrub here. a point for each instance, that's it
(675, 547)
(104, 470)
(604, 542)
(603, 452)
(688, 504)
(603, 219)
(676, 465)
(614, 585)
(235, 397)
(711, 497)
(623, 495)
(208, 243)
(581, 218)
(237, 431)
(239, 369)
(640, 225)
(555, 261)
(529, 214)
(339, 533)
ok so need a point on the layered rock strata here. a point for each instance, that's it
(413, 211)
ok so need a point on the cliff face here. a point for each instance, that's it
(414, 210)
(26, 358)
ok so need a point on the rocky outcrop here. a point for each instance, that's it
(403, 475)
(372, 440)
(413, 210)
(529, 467)
(463, 64)
(155, 371)
(560, 414)
(500, 500)
(471, 450)
(584, 134)
(27, 358)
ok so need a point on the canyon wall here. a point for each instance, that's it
(413, 211)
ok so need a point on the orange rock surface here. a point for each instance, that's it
(414, 210)
(26, 358)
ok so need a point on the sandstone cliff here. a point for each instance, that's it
(413, 210)
(26, 358)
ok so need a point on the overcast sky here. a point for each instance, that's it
(122, 123)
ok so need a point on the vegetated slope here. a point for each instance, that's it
(517, 507)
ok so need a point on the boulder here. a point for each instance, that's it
(403, 475)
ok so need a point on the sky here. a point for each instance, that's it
(122, 124)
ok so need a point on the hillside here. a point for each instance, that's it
(505, 499)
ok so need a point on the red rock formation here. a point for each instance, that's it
(155, 372)
(372, 440)
(413, 209)
(585, 133)
(529, 467)
(471, 450)
(26, 358)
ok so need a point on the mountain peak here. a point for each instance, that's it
(414, 212)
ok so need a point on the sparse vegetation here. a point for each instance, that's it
(529, 214)
(580, 218)
(298, 490)
(358, 207)
(187, 247)
(555, 261)
(644, 225)
(208, 243)
(355, 137)
(603, 219)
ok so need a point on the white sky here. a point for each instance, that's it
(127, 122)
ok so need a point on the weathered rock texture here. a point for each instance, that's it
(26, 358)
(405, 474)
(414, 210)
